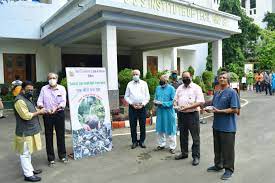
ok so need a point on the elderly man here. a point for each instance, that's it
(53, 98)
(137, 95)
(27, 139)
(226, 105)
(188, 99)
(166, 121)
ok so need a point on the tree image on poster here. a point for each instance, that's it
(90, 114)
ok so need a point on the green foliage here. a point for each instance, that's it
(250, 78)
(124, 77)
(240, 47)
(191, 70)
(208, 78)
(7, 97)
(266, 50)
(199, 82)
(160, 73)
(234, 77)
(64, 82)
(270, 20)
(236, 68)
(209, 58)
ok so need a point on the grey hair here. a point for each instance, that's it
(165, 77)
(227, 75)
(135, 71)
(52, 73)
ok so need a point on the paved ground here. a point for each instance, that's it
(255, 155)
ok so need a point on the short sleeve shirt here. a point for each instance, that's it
(228, 98)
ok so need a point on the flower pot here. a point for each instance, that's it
(118, 124)
(148, 121)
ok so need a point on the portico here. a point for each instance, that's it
(135, 26)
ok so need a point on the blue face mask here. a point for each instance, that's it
(174, 76)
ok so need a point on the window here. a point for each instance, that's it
(243, 3)
(252, 4)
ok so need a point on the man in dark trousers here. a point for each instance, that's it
(188, 99)
(53, 98)
(137, 95)
(226, 105)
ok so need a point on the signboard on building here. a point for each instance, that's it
(248, 68)
(89, 110)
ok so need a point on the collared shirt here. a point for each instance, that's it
(186, 96)
(137, 92)
(33, 142)
(176, 83)
(52, 98)
(225, 99)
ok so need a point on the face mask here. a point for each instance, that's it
(52, 82)
(162, 83)
(174, 76)
(186, 81)
(28, 94)
(136, 78)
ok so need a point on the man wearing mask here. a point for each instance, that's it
(27, 133)
(267, 82)
(188, 99)
(53, 98)
(175, 82)
(166, 121)
(226, 104)
(137, 95)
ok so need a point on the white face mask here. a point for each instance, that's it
(136, 77)
(53, 82)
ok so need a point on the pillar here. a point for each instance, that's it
(216, 56)
(109, 61)
(174, 56)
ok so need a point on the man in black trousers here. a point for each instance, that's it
(137, 95)
(53, 98)
(226, 105)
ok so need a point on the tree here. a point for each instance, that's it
(270, 20)
(266, 50)
(240, 47)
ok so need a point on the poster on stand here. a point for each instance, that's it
(89, 111)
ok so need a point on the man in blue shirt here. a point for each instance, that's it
(226, 104)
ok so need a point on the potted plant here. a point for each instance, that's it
(208, 78)
(124, 77)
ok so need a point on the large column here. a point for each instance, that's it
(109, 61)
(216, 55)
(1, 68)
(174, 57)
(144, 63)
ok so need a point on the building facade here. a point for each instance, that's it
(41, 37)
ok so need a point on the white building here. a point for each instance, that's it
(257, 9)
(37, 38)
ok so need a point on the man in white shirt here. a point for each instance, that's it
(137, 95)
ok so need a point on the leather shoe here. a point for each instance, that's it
(38, 171)
(142, 145)
(33, 178)
(134, 145)
(196, 161)
(181, 156)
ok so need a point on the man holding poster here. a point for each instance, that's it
(137, 95)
